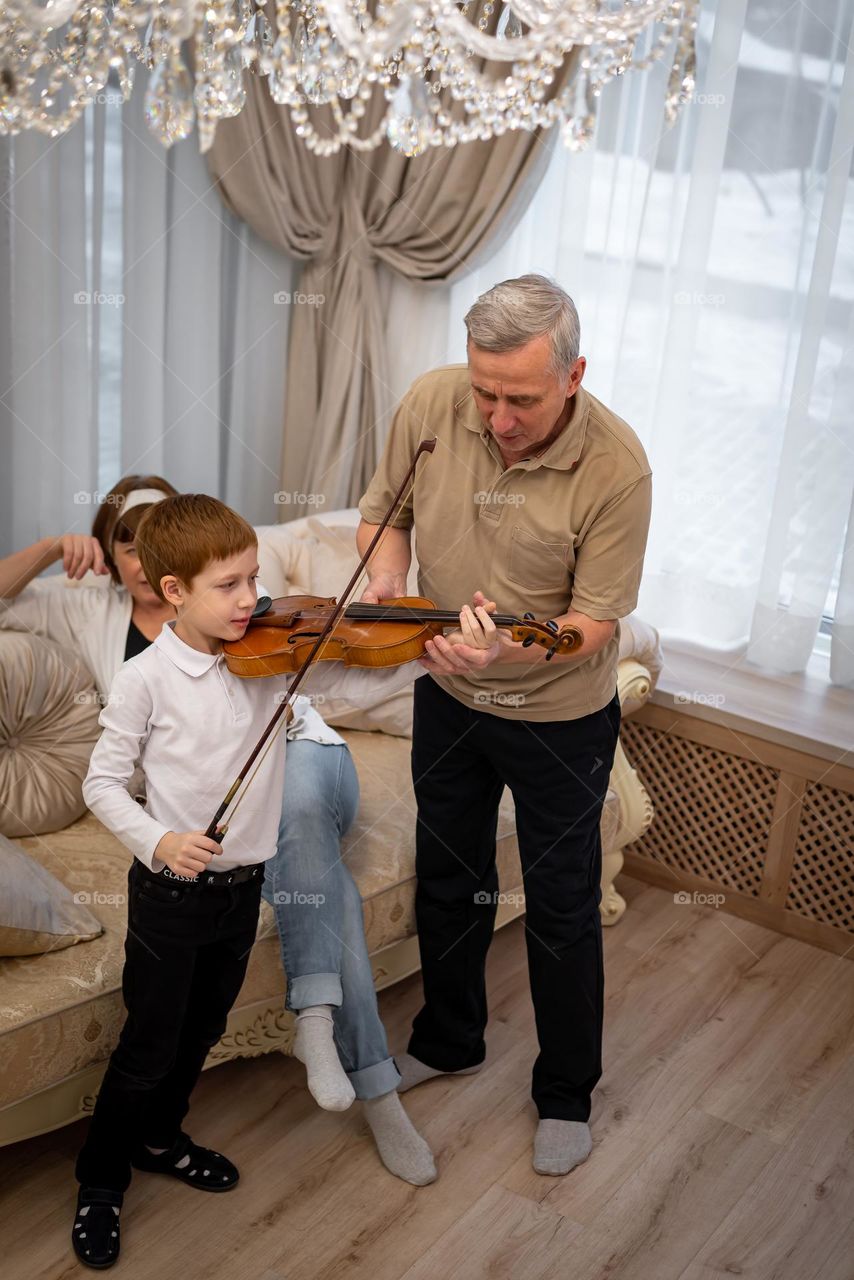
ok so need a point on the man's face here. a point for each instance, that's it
(521, 402)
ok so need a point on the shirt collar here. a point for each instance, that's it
(188, 659)
(563, 454)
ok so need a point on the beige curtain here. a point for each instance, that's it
(429, 218)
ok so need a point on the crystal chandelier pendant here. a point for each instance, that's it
(257, 44)
(680, 88)
(10, 110)
(311, 73)
(408, 122)
(231, 91)
(125, 73)
(509, 27)
(279, 82)
(248, 47)
(169, 100)
(577, 131)
(349, 79)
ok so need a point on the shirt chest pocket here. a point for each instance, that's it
(534, 563)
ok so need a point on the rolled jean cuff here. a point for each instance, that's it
(373, 1082)
(312, 989)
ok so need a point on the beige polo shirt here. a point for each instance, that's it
(565, 529)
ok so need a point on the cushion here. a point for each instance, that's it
(48, 726)
(37, 912)
(284, 560)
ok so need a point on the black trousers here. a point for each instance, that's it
(186, 953)
(558, 774)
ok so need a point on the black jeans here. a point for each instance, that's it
(186, 953)
(558, 773)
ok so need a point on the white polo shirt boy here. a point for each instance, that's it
(191, 724)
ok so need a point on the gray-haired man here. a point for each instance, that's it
(537, 499)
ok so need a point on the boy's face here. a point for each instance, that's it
(219, 601)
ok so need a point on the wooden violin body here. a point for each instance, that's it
(387, 634)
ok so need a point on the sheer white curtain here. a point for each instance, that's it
(46, 372)
(140, 332)
(713, 268)
(712, 265)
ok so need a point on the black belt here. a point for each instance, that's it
(238, 876)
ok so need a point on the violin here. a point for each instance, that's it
(297, 630)
(386, 634)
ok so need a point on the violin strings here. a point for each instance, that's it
(227, 817)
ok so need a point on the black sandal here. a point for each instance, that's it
(207, 1170)
(95, 1234)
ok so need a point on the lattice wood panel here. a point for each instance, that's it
(822, 880)
(713, 810)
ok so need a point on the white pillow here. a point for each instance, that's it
(37, 912)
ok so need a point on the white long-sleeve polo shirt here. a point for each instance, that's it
(191, 724)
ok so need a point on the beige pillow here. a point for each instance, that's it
(48, 726)
(37, 913)
(284, 560)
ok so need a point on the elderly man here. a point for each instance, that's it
(536, 499)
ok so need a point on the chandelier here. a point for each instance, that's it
(449, 72)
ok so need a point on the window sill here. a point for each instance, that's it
(803, 711)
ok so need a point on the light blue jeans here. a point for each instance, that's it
(319, 911)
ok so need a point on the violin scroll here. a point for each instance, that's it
(562, 640)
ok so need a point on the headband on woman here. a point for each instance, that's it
(138, 498)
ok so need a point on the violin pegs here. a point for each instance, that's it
(553, 627)
(527, 642)
(550, 653)
(528, 617)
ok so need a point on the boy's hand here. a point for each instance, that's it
(186, 852)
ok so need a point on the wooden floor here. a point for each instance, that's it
(723, 1140)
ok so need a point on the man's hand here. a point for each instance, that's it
(384, 586)
(474, 646)
(186, 852)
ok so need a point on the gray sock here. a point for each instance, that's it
(402, 1149)
(413, 1072)
(314, 1044)
(560, 1145)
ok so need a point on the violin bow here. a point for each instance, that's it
(216, 832)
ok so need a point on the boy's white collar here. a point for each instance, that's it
(190, 660)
